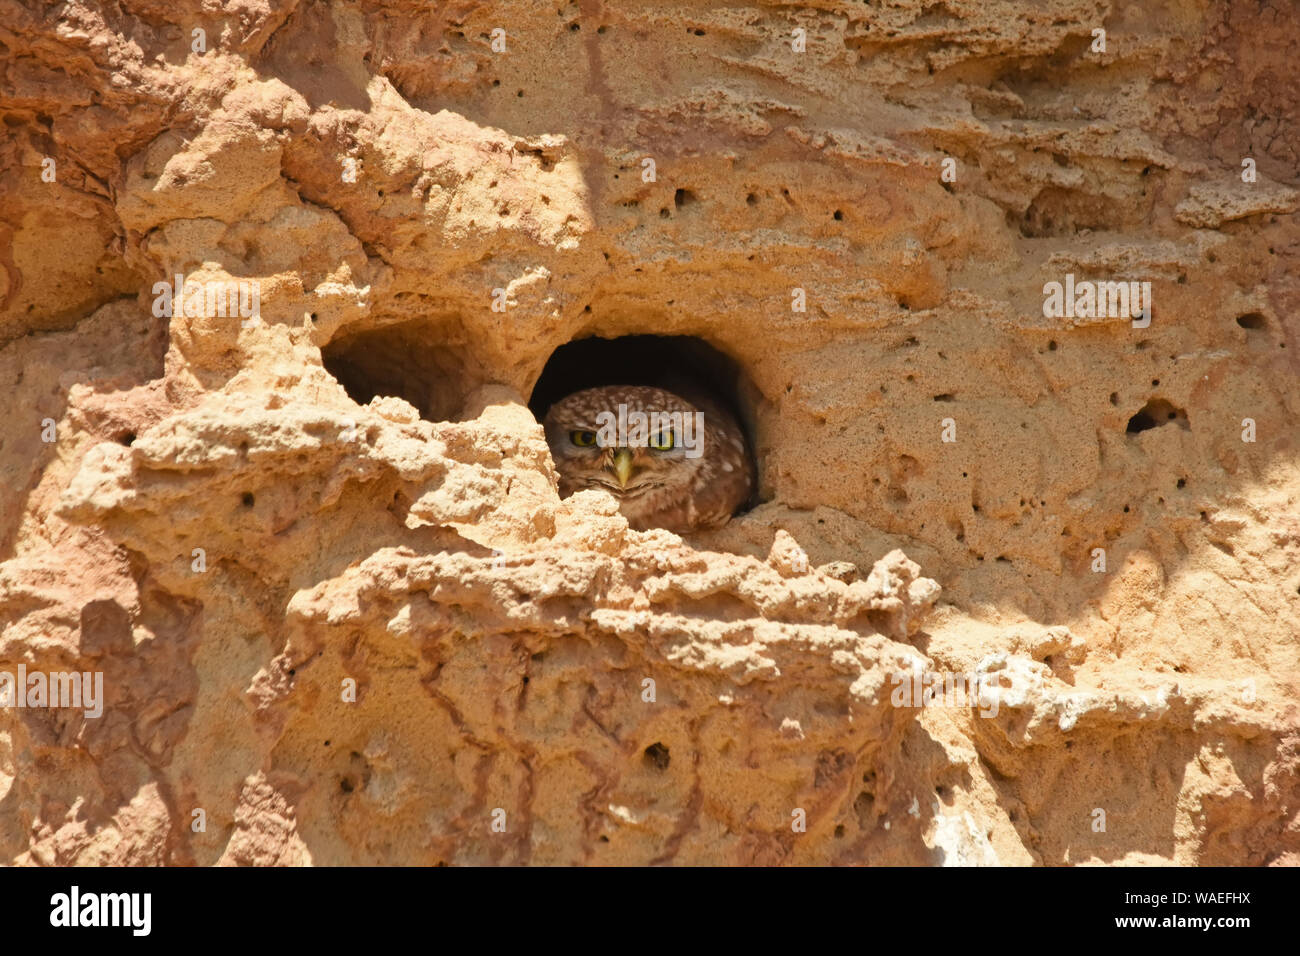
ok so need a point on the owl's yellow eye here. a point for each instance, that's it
(663, 441)
(582, 439)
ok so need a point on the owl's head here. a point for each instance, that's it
(629, 440)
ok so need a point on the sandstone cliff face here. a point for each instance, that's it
(319, 558)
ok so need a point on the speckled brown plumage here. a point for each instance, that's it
(665, 489)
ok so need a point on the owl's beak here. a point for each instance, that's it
(621, 466)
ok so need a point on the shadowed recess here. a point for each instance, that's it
(402, 361)
(682, 364)
(1155, 413)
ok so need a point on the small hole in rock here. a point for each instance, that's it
(656, 755)
(247, 499)
(1155, 413)
(1252, 320)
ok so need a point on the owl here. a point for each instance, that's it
(671, 463)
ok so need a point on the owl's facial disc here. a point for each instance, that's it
(633, 465)
(632, 468)
(654, 452)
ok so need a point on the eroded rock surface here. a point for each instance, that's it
(342, 615)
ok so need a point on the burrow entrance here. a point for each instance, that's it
(676, 363)
(400, 360)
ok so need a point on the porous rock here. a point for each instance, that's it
(341, 613)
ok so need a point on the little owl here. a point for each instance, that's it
(671, 463)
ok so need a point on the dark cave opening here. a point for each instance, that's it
(682, 364)
(1155, 413)
(401, 361)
